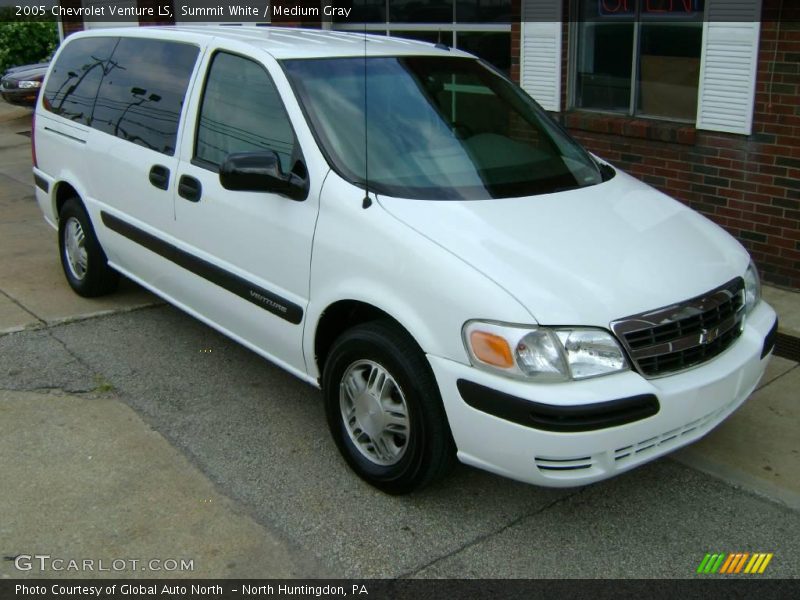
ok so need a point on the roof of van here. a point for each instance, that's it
(285, 42)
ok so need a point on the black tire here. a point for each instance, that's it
(429, 450)
(95, 277)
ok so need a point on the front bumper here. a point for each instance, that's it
(20, 97)
(691, 403)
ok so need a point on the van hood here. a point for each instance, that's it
(586, 256)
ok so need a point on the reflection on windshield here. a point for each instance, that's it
(437, 128)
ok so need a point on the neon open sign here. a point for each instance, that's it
(650, 7)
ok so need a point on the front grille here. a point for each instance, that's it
(684, 335)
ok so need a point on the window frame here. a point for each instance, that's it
(445, 29)
(572, 66)
(206, 164)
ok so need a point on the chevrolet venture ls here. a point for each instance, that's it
(402, 226)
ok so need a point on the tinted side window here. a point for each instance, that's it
(242, 112)
(73, 82)
(142, 93)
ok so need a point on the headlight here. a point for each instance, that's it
(543, 353)
(28, 85)
(752, 287)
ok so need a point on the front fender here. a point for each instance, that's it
(370, 256)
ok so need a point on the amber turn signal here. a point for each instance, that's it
(491, 349)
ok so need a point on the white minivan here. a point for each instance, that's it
(401, 225)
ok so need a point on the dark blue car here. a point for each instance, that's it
(21, 85)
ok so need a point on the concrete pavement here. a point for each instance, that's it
(758, 447)
(173, 415)
(787, 305)
(87, 479)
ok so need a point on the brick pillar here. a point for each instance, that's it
(516, 35)
(71, 24)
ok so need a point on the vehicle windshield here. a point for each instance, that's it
(437, 128)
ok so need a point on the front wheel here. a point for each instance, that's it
(384, 410)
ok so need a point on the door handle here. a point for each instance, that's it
(190, 188)
(159, 177)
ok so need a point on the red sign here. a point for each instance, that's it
(650, 7)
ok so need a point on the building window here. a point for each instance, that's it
(481, 27)
(639, 57)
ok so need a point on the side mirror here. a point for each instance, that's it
(260, 172)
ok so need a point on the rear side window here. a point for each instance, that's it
(72, 86)
(242, 112)
(142, 92)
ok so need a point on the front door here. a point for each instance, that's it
(253, 248)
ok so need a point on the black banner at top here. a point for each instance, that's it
(393, 12)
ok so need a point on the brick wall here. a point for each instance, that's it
(515, 39)
(71, 24)
(772, 155)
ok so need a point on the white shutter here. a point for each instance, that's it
(540, 51)
(728, 65)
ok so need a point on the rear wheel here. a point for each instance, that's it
(82, 258)
(384, 409)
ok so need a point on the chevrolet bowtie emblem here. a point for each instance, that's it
(708, 335)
